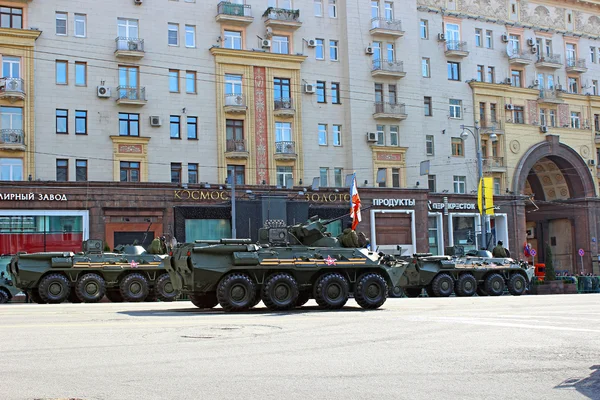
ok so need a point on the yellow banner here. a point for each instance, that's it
(489, 195)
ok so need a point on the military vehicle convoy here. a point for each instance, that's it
(7, 288)
(288, 266)
(129, 274)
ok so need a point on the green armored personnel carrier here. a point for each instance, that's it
(7, 287)
(129, 274)
(286, 268)
(481, 273)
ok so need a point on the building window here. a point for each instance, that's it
(130, 171)
(333, 50)
(173, 35)
(396, 177)
(238, 172)
(575, 120)
(175, 172)
(11, 169)
(553, 118)
(595, 88)
(482, 120)
(571, 54)
(391, 55)
(431, 183)
(337, 135)
(516, 76)
(458, 149)
(592, 54)
(190, 36)
(11, 67)
(491, 74)
(321, 92)
(493, 115)
(392, 94)
(518, 115)
(61, 23)
(62, 121)
(283, 134)
(425, 68)
(455, 108)
(543, 121)
(80, 25)
(234, 131)
(573, 85)
(453, 71)
(382, 174)
(190, 82)
(80, 122)
(11, 18)
(80, 74)
(460, 184)
(322, 134)
(62, 170)
(281, 87)
(192, 127)
(424, 29)
(323, 172)
(337, 177)
(281, 44)
(480, 73)
(61, 72)
(488, 40)
(497, 186)
(175, 126)
(318, 7)
(429, 145)
(81, 170)
(335, 93)
(380, 135)
(284, 175)
(320, 49)
(332, 9)
(129, 124)
(192, 173)
(394, 136)
(173, 81)
(478, 38)
(233, 84)
(233, 40)
(428, 106)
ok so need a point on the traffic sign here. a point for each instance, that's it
(532, 252)
(581, 252)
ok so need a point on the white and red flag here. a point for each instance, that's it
(355, 203)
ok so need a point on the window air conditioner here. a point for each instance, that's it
(155, 120)
(510, 107)
(534, 50)
(441, 37)
(265, 43)
(592, 162)
(309, 88)
(544, 129)
(137, 2)
(505, 38)
(531, 42)
(371, 137)
(312, 43)
(369, 50)
(103, 91)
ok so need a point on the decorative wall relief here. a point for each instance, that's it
(489, 8)
(261, 131)
(542, 16)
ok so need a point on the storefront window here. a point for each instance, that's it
(40, 233)
(207, 229)
(464, 233)
(433, 236)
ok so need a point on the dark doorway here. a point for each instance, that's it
(126, 238)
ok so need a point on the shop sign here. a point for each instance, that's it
(394, 202)
(327, 197)
(200, 195)
(33, 196)
(452, 206)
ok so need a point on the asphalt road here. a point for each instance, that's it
(530, 347)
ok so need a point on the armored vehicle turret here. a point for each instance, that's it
(288, 266)
(128, 274)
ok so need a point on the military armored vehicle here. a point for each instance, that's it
(7, 288)
(128, 274)
(481, 273)
(287, 267)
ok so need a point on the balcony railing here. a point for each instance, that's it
(388, 66)
(550, 96)
(494, 162)
(551, 59)
(519, 55)
(235, 100)
(15, 85)
(576, 63)
(456, 45)
(12, 136)
(282, 14)
(285, 147)
(132, 93)
(387, 24)
(284, 104)
(390, 108)
(236, 10)
(129, 44)
(233, 146)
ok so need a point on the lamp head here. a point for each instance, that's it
(493, 137)
(464, 135)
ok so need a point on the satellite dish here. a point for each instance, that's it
(509, 49)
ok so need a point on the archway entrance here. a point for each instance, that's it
(558, 181)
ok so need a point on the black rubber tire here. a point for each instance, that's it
(73, 298)
(371, 291)
(4, 296)
(54, 288)
(164, 288)
(90, 288)
(280, 292)
(134, 287)
(303, 298)
(34, 295)
(236, 292)
(204, 300)
(114, 296)
(466, 285)
(517, 285)
(494, 284)
(412, 292)
(481, 291)
(442, 285)
(331, 291)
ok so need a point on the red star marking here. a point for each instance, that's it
(133, 264)
(330, 261)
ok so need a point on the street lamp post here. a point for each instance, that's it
(482, 213)
(231, 180)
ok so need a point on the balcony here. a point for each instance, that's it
(129, 47)
(281, 18)
(383, 68)
(487, 127)
(284, 108)
(285, 151)
(390, 28)
(236, 149)
(494, 164)
(393, 111)
(234, 14)
(518, 57)
(576, 65)
(235, 103)
(133, 96)
(597, 140)
(12, 89)
(12, 139)
(550, 97)
(554, 62)
(455, 48)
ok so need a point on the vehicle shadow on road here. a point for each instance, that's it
(589, 386)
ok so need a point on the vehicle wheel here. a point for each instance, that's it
(134, 287)
(303, 298)
(494, 284)
(34, 295)
(114, 296)
(236, 292)
(164, 288)
(204, 300)
(412, 292)
(90, 288)
(371, 290)
(73, 298)
(466, 285)
(331, 291)
(517, 285)
(280, 292)
(442, 285)
(54, 288)
(4, 296)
